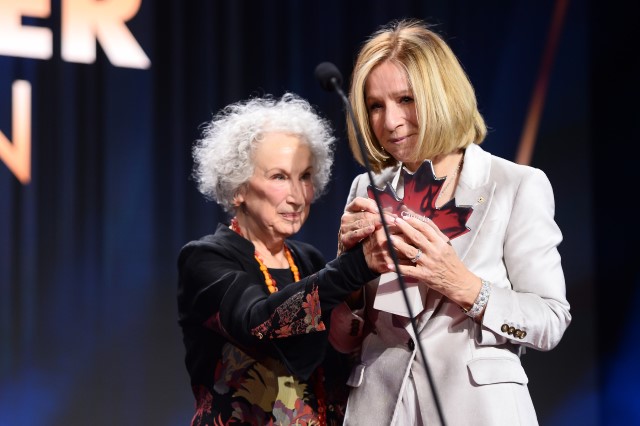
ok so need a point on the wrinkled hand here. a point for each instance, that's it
(360, 219)
(427, 256)
(361, 222)
(376, 251)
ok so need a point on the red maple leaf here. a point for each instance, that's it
(421, 191)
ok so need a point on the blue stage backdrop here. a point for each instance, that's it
(101, 101)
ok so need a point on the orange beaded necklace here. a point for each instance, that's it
(271, 285)
(268, 279)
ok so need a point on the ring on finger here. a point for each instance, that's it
(417, 256)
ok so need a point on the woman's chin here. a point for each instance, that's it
(291, 228)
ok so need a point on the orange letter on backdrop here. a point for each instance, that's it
(17, 155)
(86, 21)
(26, 42)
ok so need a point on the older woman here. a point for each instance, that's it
(481, 240)
(253, 304)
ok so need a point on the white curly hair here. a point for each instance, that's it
(223, 155)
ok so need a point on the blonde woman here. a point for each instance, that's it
(493, 284)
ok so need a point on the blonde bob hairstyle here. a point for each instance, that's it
(446, 106)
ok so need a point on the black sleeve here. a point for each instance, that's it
(216, 292)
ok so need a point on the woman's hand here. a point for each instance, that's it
(361, 222)
(360, 219)
(427, 255)
(376, 250)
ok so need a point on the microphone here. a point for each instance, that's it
(330, 80)
(329, 76)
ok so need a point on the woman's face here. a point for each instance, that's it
(392, 111)
(278, 196)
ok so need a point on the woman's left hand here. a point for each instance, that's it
(427, 256)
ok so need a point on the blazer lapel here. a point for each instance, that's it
(433, 300)
(476, 190)
(480, 199)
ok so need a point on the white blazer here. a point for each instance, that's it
(475, 368)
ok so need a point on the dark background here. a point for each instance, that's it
(88, 248)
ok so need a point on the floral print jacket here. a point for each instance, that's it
(260, 359)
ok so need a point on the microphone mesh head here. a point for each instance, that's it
(328, 75)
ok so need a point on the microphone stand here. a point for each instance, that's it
(335, 84)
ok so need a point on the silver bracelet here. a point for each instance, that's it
(481, 300)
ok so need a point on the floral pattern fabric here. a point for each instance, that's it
(291, 320)
(257, 393)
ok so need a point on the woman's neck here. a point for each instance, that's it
(449, 168)
(443, 165)
(270, 247)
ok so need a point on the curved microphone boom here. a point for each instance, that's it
(330, 80)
